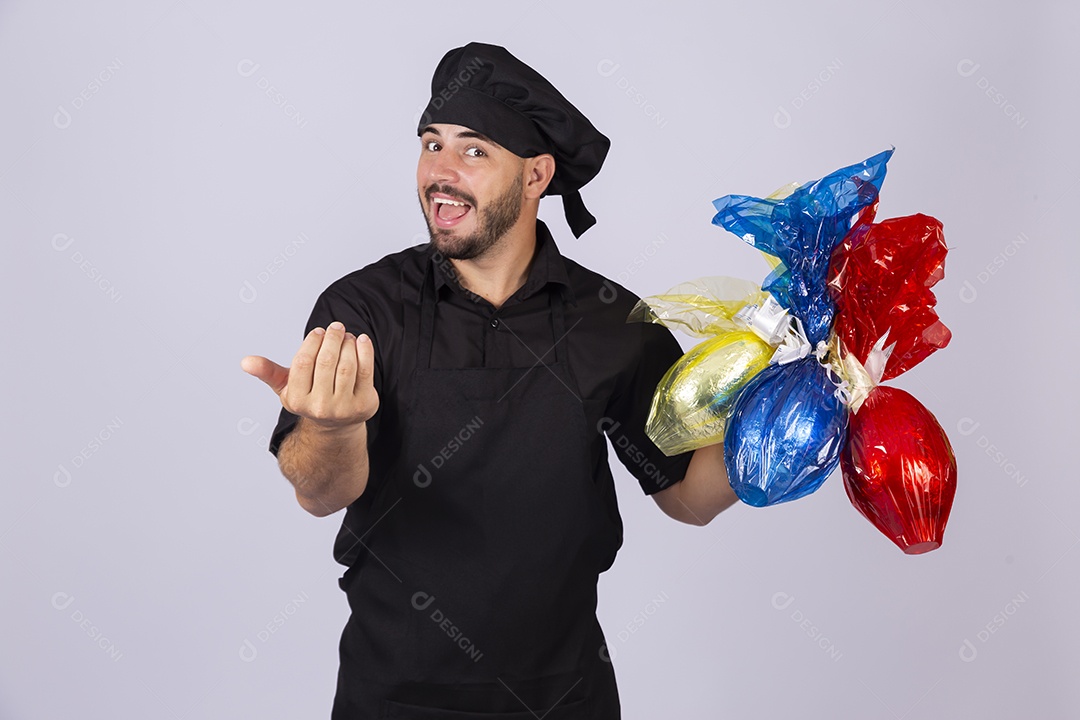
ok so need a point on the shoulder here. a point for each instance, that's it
(602, 308)
(600, 314)
(596, 294)
(383, 280)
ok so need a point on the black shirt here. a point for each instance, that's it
(617, 364)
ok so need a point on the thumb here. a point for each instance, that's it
(274, 375)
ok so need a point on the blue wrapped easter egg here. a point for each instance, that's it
(784, 434)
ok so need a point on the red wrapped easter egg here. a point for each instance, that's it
(899, 469)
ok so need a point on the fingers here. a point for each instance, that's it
(346, 367)
(327, 359)
(274, 375)
(365, 368)
(324, 377)
(301, 373)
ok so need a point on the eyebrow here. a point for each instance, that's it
(463, 134)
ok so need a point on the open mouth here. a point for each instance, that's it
(449, 212)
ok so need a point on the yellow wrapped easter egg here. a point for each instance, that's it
(691, 403)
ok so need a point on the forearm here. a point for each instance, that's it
(327, 467)
(704, 493)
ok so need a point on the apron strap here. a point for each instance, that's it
(427, 316)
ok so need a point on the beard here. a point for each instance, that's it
(491, 224)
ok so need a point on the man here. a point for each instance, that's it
(457, 398)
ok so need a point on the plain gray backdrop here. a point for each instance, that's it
(180, 179)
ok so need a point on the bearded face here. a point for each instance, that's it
(457, 235)
(470, 190)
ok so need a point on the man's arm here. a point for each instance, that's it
(704, 493)
(327, 467)
(330, 387)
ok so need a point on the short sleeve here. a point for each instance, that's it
(656, 350)
(333, 305)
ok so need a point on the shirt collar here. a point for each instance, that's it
(548, 266)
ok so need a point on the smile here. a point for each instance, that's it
(449, 212)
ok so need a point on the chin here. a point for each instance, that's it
(449, 244)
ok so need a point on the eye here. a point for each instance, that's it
(429, 143)
(474, 151)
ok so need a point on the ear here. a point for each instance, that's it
(537, 173)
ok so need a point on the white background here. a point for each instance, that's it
(164, 212)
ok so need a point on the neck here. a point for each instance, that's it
(498, 273)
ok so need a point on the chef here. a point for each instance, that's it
(457, 398)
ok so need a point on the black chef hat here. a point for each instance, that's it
(486, 89)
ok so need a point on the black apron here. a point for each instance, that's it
(475, 593)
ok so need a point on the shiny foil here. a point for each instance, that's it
(692, 401)
(802, 230)
(880, 280)
(899, 469)
(785, 433)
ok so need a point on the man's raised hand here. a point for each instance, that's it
(330, 381)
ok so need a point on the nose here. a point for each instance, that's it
(443, 168)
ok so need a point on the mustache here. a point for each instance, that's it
(445, 190)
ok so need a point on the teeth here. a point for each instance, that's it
(449, 202)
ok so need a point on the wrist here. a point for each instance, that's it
(332, 430)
